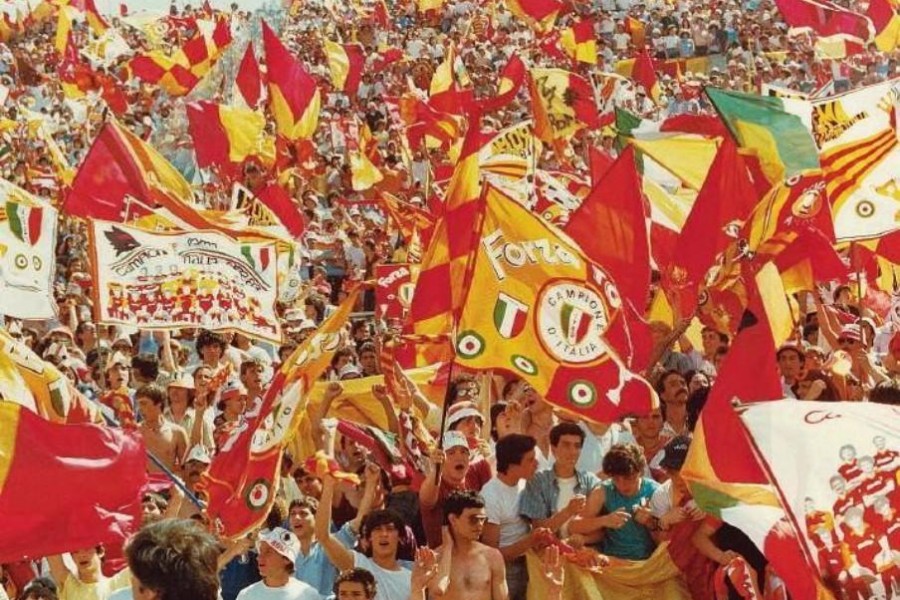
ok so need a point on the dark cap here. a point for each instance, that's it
(675, 452)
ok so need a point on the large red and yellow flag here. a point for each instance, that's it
(293, 94)
(243, 479)
(226, 136)
(248, 79)
(179, 73)
(579, 42)
(451, 89)
(644, 74)
(540, 15)
(120, 167)
(89, 9)
(39, 459)
(439, 297)
(538, 308)
(511, 79)
(562, 103)
(346, 63)
(610, 225)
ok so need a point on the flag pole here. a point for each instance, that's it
(176, 480)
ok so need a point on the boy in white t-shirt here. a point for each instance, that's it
(278, 549)
(505, 528)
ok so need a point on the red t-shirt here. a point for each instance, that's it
(479, 473)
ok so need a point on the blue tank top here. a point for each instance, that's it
(631, 541)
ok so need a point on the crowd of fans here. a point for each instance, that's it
(511, 475)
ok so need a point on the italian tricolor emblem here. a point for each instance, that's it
(509, 316)
(25, 222)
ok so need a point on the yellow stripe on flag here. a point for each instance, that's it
(338, 63)
(9, 430)
(772, 294)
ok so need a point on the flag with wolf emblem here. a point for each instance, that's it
(537, 308)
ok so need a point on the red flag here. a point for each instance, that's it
(249, 78)
(727, 196)
(123, 10)
(611, 228)
(601, 163)
(381, 15)
(824, 17)
(280, 203)
(40, 459)
(511, 79)
(293, 94)
(644, 73)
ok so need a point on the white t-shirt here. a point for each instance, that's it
(391, 585)
(294, 590)
(566, 493)
(501, 503)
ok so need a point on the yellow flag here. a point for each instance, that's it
(538, 308)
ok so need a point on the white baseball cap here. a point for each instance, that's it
(281, 540)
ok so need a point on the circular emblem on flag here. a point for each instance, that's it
(582, 393)
(21, 261)
(571, 320)
(524, 364)
(258, 494)
(865, 209)
(470, 345)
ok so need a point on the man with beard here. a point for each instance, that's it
(672, 388)
(469, 570)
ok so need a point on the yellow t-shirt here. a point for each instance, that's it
(75, 589)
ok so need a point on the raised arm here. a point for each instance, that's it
(58, 569)
(340, 557)
(380, 393)
(318, 413)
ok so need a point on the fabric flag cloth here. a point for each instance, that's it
(226, 136)
(27, 254)
(183, 279)
(511, 79)
(770, 127)
(610, 226)
(39, 386)
(857, 136)
(722, 470)
(885, 17)
(836, 473)
(38, 459)
(540, 15)
(393, 290)
(249, 79)
(119, 166)
(242, 481)
(407, 217)
(346, 62)
(294, 97)
(180, 72)
(562, 103)
(552, 316)
(579, 42)
(450, 90)
(282, 207)
(726, 198)
(644, 74)
(825, 18)
(438, 297)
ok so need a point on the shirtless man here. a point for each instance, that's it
(468, 569)
(165, 440)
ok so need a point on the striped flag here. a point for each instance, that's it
(509, 315)
(346, 62)
(25, 222)
(294, 97)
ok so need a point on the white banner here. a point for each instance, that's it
(27, 254)
(837, 465)
(184, 279)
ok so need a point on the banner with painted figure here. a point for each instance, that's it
(27, 254)
(837, 469)
(394, 289)
(184, 279)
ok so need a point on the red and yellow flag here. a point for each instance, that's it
(242, 480)
(562, 103)
(293, 94)
(228, 135)
(644, 74)
(540, 15)
(249, 80)
(579, 42)
(539, 308)
(38, 459)
(346, 63)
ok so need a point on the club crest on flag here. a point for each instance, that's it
(509, 316)
(572, 319)
(258, 494)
